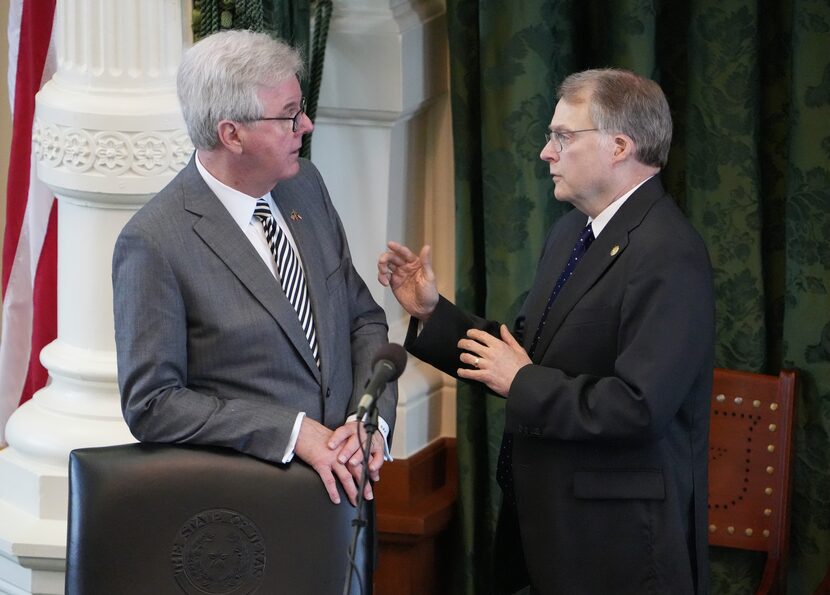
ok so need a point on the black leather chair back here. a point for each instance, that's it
(164, 519)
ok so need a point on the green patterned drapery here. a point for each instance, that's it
(750, 164)
(289, 20)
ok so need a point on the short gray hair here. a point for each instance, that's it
(220, 75)
(624, 102)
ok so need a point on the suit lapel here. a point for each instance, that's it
(222, 235)
(603, 254)
(557, 251)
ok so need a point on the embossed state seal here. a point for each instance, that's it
(218, 552)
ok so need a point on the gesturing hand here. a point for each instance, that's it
(495, 361)
(411, 279)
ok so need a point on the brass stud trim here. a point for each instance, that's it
(770, 470)
(766, 532)
(773, 406)
(770, 448)
(713, 528)
(748, 532)
(720, 398)
(772, 427)
(768, 491)
(767, 511)
(738, 400)
(730, 530)
(756, 403)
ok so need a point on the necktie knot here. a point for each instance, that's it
(262, 210)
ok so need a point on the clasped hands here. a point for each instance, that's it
(337, 455)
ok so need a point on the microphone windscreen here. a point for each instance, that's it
(394, 354)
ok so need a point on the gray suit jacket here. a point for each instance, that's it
(210, 351)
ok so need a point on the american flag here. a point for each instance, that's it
(30, 242)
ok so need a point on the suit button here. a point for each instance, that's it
(328, 393)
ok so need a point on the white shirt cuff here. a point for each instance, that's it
(292, 442)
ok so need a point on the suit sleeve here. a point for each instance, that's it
(664, 342)
(437, 343)
(151, 338)
(368, 329)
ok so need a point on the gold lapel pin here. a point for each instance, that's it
(615, 250)
(295, 216)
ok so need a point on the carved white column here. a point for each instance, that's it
(108, 135)
(383, 144)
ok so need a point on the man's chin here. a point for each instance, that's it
(290, 170)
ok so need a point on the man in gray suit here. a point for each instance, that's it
(240, 320)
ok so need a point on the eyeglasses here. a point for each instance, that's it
(295, 119)
(561, 138)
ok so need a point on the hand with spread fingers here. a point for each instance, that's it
(411, 278)
(495, 361)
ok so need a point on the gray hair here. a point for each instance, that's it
(220, 75)
(624, 102)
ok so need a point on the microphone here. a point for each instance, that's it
(388, 365)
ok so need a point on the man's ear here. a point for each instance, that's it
(230, 135)
(623, 147)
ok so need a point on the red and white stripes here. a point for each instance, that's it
(30, 242)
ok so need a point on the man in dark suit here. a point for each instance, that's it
(608, 382)
(240, 320)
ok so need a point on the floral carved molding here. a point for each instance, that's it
(110, 153)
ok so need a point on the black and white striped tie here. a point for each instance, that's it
(290, 273)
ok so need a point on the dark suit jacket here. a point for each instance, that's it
(610, 421)
(210, 350)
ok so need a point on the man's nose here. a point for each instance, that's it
(548, 154)
(306, 125)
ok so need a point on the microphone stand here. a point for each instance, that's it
(360, 521)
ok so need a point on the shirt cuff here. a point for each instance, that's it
(292, 442)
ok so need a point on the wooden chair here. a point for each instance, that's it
(750, 480)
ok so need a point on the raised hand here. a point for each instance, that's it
(411, 278)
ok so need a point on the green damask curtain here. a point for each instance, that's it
(749, 86)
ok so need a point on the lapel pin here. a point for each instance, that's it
(295, 216)
(615, 250)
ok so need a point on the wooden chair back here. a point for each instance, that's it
(750, 479)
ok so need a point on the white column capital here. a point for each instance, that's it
(108, 125)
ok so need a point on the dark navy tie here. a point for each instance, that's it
(504, 468)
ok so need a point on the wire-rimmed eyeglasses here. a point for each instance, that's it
(560, 138)
(295, 119)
